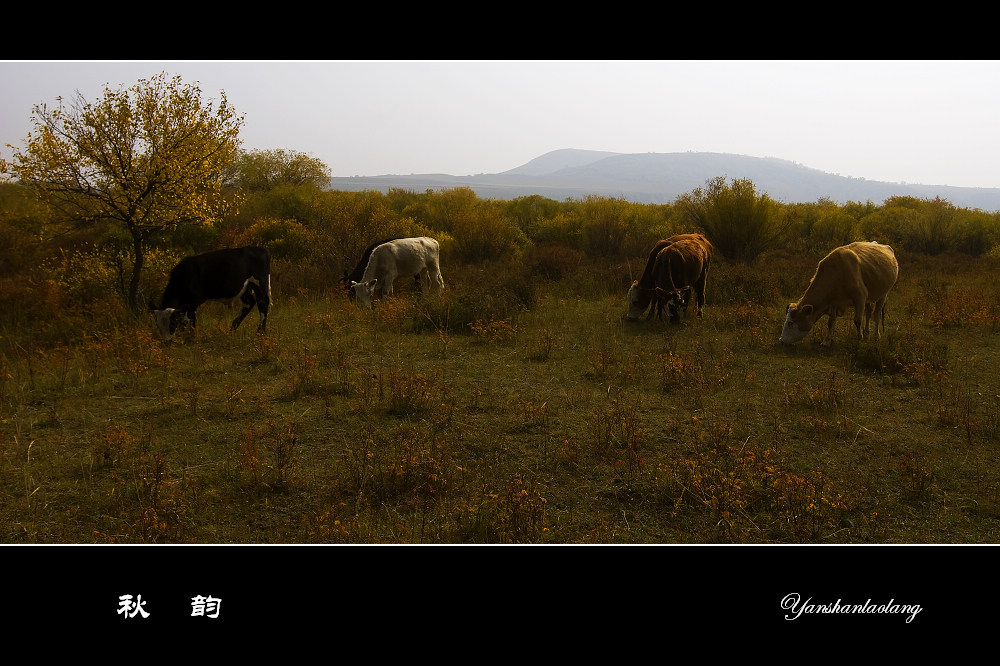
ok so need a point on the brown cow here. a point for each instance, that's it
(679, 269)
(860, 275)
(643, 291)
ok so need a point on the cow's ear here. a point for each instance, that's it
(806, 310)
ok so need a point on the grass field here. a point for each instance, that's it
(516, 410)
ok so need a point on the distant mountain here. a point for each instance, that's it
(662, 177)
(558, 160)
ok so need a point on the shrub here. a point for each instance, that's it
(740, 223)
(834, 228)
(552, 261)
(284, 238)
(486, 234)
(491, 292)
(604, 226)
(738, 283)
(900, 354)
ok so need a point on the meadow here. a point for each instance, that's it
(517, 408)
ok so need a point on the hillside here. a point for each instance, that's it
(662, 177)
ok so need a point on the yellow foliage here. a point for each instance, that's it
(146, 158)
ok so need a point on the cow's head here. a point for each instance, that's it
(365, 291)
(167, 320)
(675, 302)
(798, 322)
(638, 300)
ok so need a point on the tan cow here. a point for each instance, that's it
(859, 275)
(643, 291)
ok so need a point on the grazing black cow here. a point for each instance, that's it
(237, 275)
(359, 270)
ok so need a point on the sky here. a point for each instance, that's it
(926, 122)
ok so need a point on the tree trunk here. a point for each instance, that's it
(138, 247)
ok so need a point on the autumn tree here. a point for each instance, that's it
(263, 170)
(276, 185)
(147, 159)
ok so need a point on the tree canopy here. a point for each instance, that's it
(262, 170)
(147, 159)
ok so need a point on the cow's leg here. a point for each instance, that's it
(829, 330)
(685, 296)
(264, 305)
(435, 279)
(870, 310)
(879, 315)
(860, 307)
(262, 308)
(701, 288)
(653, 305)
(248, 299)
(390, 277)
(253, 294)
(860, 299)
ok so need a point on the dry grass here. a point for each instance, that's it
(517, 416)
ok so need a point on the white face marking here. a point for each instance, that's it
(791, 333)
(634, 302)
(676, 306)
(162, 318)
(364, 291)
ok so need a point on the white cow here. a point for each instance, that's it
(403, 256)
(860, 275)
